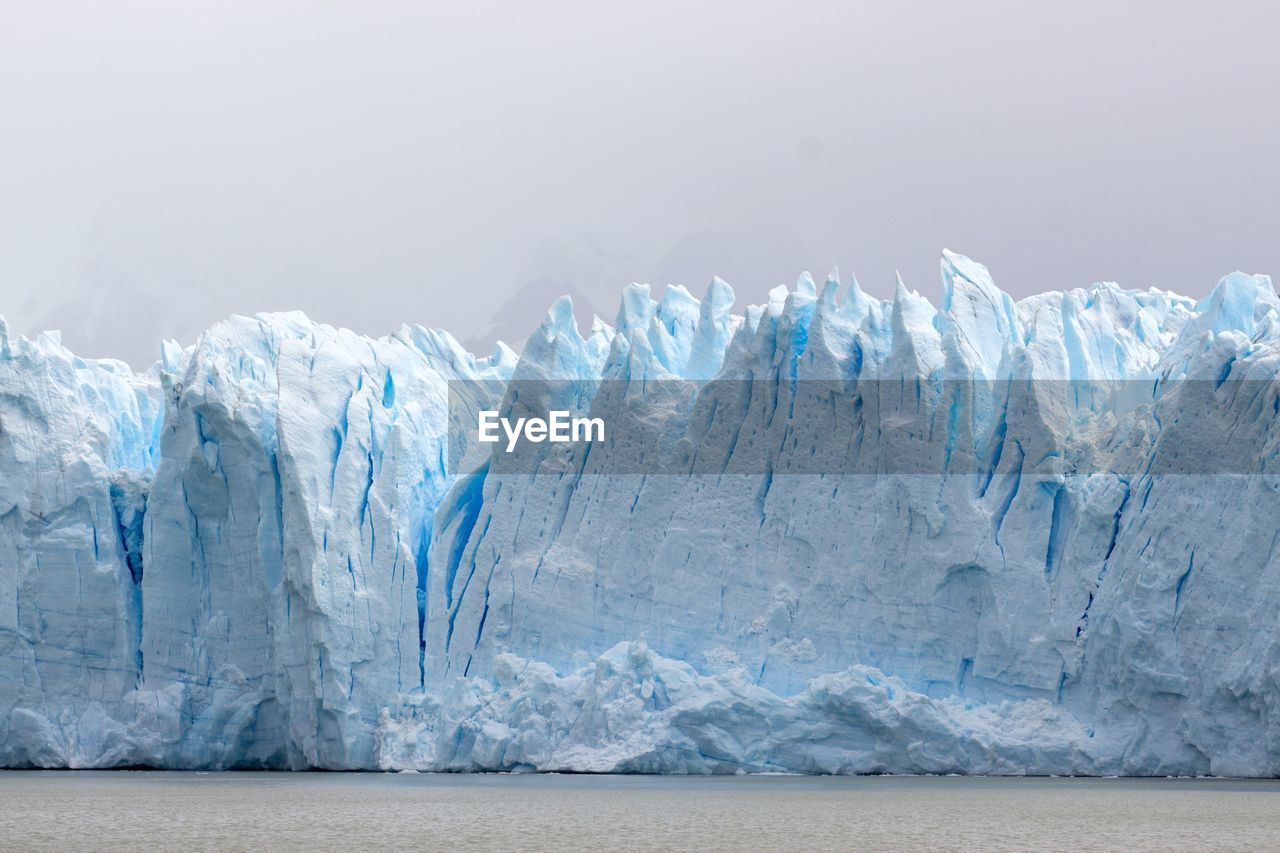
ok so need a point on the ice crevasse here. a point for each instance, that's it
(992, 536)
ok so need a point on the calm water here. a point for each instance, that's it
(207, 811)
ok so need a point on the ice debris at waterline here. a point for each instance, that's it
(991, 537)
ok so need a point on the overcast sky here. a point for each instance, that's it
(164, 164)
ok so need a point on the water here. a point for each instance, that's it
(279, 811)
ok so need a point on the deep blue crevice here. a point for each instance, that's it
(966, 666)
(484, 615)
(129, 518)
(763, 494)
(1115, 522)
(998, 438)
(1053, 551)
(1224, 373)
(466, 500)
(953, 427)
(997, 520)
(1177, 590)
(388, 391)
(421, 567)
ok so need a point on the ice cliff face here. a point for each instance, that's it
(827, 534)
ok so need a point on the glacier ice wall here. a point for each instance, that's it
(862, 536)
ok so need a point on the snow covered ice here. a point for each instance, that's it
(826, 534)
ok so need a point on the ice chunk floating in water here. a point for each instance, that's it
(826, 534)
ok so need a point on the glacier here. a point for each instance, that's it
(826, 534)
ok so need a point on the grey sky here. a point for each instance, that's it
(166, 164)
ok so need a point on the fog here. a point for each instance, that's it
(164, 165)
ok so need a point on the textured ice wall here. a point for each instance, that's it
(886, 537)
(77, 440)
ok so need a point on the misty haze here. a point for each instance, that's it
(162, 166)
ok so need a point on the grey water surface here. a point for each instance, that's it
(100, 810)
